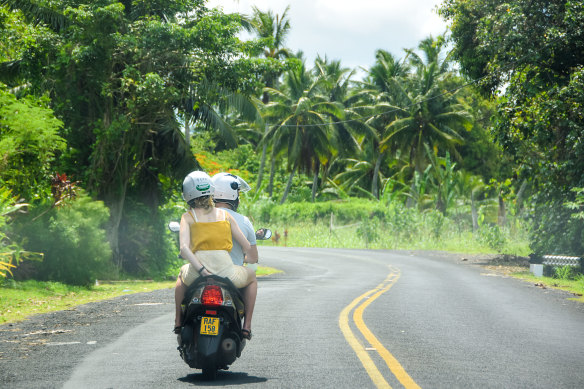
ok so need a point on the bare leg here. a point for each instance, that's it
(179, 294)
(249, 297)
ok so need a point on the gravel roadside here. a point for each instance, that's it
(55, 342)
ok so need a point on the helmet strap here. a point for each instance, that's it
(233, 204)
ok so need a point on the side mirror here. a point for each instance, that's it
(174, 226)
(263, 234)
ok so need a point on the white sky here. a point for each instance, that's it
(350, 31)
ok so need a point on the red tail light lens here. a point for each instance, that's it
(212, 296)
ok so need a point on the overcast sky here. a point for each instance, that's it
(350, 31)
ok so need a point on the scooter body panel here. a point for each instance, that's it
(207, 351)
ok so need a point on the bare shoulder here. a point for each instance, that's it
(228, 216)
(188, 217)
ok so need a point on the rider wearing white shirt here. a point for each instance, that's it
(227, 188)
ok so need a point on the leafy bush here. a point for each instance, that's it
(29, 141)
(564, 273)
(10, 251)
(145, 242)
(72, 238)
(7, 247)
(435, 220)
(492, 236)
(368, 230)
(556, 229)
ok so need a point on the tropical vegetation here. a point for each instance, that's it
(472, 136)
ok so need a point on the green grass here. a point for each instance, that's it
(18, 300)
(265, 271)
(574, 286)
(320, 235)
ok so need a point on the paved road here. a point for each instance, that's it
(342, 319)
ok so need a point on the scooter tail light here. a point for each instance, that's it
(212, 296)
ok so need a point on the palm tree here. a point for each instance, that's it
(336, 85)
(427, 115)
(212, 105)
(354, 176)
(383, 92)
(272, 29)
(303, 130)
(432, 52)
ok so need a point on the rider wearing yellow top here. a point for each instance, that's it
(211, 243)
(206, 235)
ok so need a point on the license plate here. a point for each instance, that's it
(210, 326)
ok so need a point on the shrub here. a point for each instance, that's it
(29, 142)
(557, 227)
(564, 273)
(72, 238)
(368, 230)
(11, 254)
(145, 242)
(491, 236)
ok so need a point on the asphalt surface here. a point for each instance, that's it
(447, 323)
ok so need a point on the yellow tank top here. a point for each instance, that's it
(210, 235)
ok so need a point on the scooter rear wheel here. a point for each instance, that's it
(210, 372)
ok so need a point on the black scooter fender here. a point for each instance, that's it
(209, 346)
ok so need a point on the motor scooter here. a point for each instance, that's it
(213, 310)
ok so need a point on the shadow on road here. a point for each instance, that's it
(223, 378)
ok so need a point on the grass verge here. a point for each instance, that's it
(573, 286)
(19, 300)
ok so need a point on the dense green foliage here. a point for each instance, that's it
(29, 141)
(10, 251)
(534, 51)
(73, 240)
(119, 75)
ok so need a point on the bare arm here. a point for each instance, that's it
(252, 255)
(185, 244)
(248, 250)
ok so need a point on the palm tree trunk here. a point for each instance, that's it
(188, 130)
(315, 180)
(270, 187)
(374, 181)
(502, 216)
(474, 212)
(413, 161)
(520, 194)
(116, 206)
(288, 185)
(262, 162)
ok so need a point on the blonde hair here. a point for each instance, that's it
(205, 202)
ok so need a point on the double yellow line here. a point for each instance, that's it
(361, 303)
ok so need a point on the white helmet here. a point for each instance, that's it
(197, 184)
(227, 188)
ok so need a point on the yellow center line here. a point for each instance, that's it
(393, 364)
(363, 356)
(389, 359)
